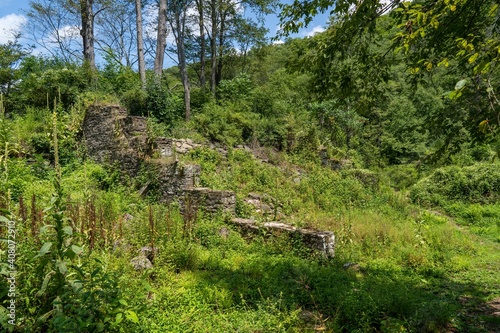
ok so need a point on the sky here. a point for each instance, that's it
(12, 19)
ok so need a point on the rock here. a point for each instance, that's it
(141, 262)
(164, 147)
(224, 233)
(222, 151)
(121, 246)
(147, 252)
(111, 136)
(261, 203)
(352, 266)
(174, 179)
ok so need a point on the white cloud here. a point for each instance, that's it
(66, 32)
(10, 25)
(278, 42)
(314, 31)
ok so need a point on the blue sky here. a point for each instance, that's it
(12, 17)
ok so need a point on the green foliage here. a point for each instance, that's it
(474, 184)
(469, 194)
(44, 79)
(237, 89)
(161, 103)
(230, 124)
(11, 54)
(398, 266)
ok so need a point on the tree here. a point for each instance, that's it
(116, 32)
(226, 16)
(10, 55)
(87, 32)
(161, 39)
(430, 36)
(51, 26)
(201, 29)
(140, 43)
(178, 11)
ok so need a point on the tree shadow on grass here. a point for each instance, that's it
(330, 297)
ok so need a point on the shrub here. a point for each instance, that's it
(44, 80)
(479, 183)
(227, 124)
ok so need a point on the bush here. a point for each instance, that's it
(479, 183)
(44, 80)
(226, 124)
(402, 176)
(236, 89)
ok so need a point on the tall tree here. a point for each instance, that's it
(226, 17)
(161, 39)
(456, 36)
(140, 43)
(87, 32)
(116, 33)
(213, 44)
(201, 28)
(51, 26)
(178, 10)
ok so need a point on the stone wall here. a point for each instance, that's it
(211, 200)
(112, 136)
(322, 242)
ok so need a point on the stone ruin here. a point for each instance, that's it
(112, 136)
(322, 242)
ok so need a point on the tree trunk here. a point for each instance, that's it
(87, 32)
(180, 25)
(185, 83)
(161, 40)
(140, 43)
(213, 46)
(201, 23)
(218, 76)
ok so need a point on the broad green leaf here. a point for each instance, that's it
(45, 249)
(460, 84)
(132, 316)
(483, 126)
(76, 249)
(45, 228)
(493, 10)
(61, 266)
(68, 230)
(43, 318)
(473, 58)
(119, 318)
(45, 283)
(4, 219)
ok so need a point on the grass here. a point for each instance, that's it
(409, 267)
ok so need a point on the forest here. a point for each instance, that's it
(383, 129)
